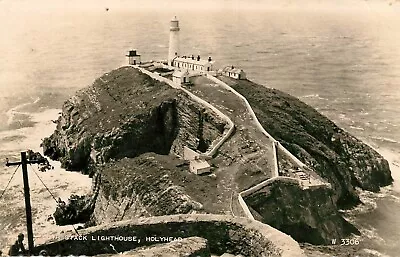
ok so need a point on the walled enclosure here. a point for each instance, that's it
(224, 234)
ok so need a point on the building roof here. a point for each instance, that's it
(232, 69)
(200, 164)
(132, 53)
(191, 61)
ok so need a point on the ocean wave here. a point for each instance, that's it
(368, 204)
(369, 201)
(372, 234)
(357, 128)
(62, 183)
(13, 112)
(385, 139)
(317, 96)
(375, 253)
(20, 139)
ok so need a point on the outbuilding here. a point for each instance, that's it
(233, 72)
(133, 57)
(198, 166)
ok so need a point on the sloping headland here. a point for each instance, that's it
(128, 132)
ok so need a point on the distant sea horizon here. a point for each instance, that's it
(346, 64)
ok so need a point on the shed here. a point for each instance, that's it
(198, 166)
(133, 57)
(233, 72)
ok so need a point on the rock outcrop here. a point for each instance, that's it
(308, 215)
(79, 209)
(148, 185)
(124, 114)
(341, 159)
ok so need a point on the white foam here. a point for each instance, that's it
(60, 182)
(394, 160)
(390, 140)
(317, 96)
(357, 128)
(372, 234)
(30, 137)
(375, 253)
(14, 111)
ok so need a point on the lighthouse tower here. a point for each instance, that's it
(173, 40)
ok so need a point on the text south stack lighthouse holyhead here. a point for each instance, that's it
(173, 50)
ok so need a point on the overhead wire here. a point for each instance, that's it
(74, 229)
(44, 184)
(9, 181)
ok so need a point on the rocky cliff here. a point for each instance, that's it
(148, 185)
(341, 159)
(308, 215)
(124, 114)
(127, 114)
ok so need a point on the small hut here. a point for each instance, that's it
(233, 72)
(133, 57)
(198, 166)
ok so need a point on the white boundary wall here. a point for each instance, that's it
(291, 156)
(276, 167)
(269, 181)
(245, 208)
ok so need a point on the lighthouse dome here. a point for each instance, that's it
(174, 24)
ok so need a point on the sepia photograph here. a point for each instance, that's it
(208, 128)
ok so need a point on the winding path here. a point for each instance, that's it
(233, 105)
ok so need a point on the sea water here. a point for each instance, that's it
(344, 61)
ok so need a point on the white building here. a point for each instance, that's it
(193, 64)
(198, 166)
(173, 50)
(133, 57)
(180, 76)
(233, 72)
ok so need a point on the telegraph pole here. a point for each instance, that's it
(24, 162)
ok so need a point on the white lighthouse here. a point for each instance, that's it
(173, 40)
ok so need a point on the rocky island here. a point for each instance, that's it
(177, 149)
(128, 131)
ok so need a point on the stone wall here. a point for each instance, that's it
(223, 233)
